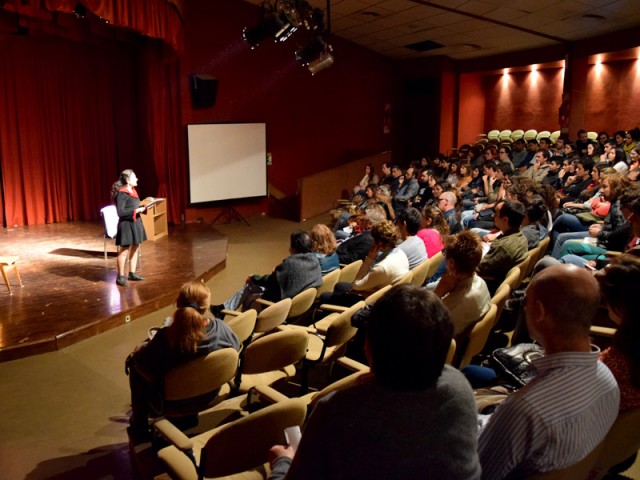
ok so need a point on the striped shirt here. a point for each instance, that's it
(553, 422)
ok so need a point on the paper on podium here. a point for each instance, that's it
(150, 202)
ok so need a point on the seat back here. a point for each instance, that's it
(242, 445)
(348, 272)
(377, 294)
(420, 273)
(592, 136)
(275, 351)
(406, 278)
(555, 135)
(543, 134)
(110, 217)
(200, 376)
(452, 351)
(273, 316)
(578, 471)
(302, 302)
(534, 254)
(512, 279)
(500, 298)
(340, 331)
(479, 335)
(544, 245)
(434, 264)
(493, 135)
(328, 282)
(505, 135)
(622, 441)
(243, 325)
(523, 266)
(530, 135)
(516, 134)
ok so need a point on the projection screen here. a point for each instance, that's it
(227, 161)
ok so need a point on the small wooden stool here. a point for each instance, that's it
(6, 264)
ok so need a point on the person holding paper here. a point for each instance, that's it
(130, 228)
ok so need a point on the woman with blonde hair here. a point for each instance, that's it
(323, 246)
(189, 334)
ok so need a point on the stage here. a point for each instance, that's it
(70, 293)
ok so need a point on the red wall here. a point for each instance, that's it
(523, 100)
(471, 108)
(313, 122)
(613, 96)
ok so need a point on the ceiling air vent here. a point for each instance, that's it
(424, 46)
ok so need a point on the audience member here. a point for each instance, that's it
(299, 271)
(409, 222)
(540, 167)
(323, 246)
(447, 205)
(369, 177)
(619, 284)
(435, 227)
(358, 245)
(189, 334)
(408, 333)
(509, 249)
(566, 410)
(463, 292)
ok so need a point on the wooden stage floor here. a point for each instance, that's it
(69, 291)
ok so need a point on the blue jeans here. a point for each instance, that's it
(566, 223)
(562, 238)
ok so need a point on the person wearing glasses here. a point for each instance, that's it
(447, 205)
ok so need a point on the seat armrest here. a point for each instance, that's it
(326, 307)
(352, 365)
(265, 392)
(231, 313)
(262, 301)
(603, 331)
(169, 431)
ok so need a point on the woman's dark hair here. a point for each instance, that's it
(438, 222)
(619, 285)
(620, 156)
(187, 329)
(411, 355)
(300, 241)
(634, 134)
(121, 182)
(536, 208)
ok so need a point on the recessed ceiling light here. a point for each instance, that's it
(472, 46)
(369, 13)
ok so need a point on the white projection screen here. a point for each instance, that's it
(227, 161)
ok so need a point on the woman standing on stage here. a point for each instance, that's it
(130, 229)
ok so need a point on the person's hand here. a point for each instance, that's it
(571, 179)
(475, 216)
(141, 209)
(591, 263)
(373, 252)
(595, 229)
(278, 451)
(490, 237)
(447, 283)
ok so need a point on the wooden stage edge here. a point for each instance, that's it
(69, 291)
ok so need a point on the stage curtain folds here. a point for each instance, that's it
(153, 18)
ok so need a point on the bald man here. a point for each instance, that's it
(566, 410)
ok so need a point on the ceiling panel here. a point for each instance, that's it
(496, 26)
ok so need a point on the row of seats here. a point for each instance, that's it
(513, 135)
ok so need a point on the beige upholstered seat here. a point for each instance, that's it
(348, 272)
(579, 471)
(7, 264)
(237, 450)
(271, 358)
(517, 134)
(242, 324)
(493, 135)
(328, 282)
(500, 298)
(300, 304)
(406, 278)
(555, 135)
(478, 336)
(328, 347)
(513, 278)
(530, 135)
(622, 441)
(197, 380)
(543, 134)
(420, 272)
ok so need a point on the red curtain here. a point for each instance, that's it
(153, 18)
(67, 127)
(74, 114)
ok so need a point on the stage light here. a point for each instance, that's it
(325, 60)
(311, 51)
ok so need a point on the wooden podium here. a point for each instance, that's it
(155, 220)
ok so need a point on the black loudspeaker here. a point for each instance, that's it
(204, 89)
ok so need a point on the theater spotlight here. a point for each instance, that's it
(267, 27)
(286, 28)
(325, 60)
(311, 51)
